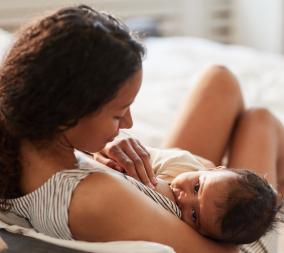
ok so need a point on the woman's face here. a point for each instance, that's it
(92, 133)
(196, 194)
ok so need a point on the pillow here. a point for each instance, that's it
(12, 218)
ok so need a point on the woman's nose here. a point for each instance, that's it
(126, 121)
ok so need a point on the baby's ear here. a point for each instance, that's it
(218, 168)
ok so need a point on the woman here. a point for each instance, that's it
(68, 83)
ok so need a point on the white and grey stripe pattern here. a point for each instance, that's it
(157, 197)
(47, 207)
(266, 244)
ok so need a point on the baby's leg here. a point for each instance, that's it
(258, 145)
(207, 118)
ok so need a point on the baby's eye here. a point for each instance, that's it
(193, 214)
(196, 188)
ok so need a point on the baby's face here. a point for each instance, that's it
(196, 194)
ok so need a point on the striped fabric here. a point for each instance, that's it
(266, 244)
(157, 197)
(47, 207)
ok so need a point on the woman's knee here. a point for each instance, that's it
(259, 116)
(221, 80)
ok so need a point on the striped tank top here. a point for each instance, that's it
(47, 207)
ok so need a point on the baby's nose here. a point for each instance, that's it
(181, 200)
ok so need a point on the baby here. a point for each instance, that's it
(228, 205)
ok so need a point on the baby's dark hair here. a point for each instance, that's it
(249, 208)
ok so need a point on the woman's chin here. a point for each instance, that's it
(110, 139)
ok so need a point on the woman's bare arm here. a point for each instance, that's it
(105, 207)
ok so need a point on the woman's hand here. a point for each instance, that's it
(128, 154)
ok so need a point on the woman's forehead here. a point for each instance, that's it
(127, 92)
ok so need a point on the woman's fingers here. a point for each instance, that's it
(145, 156)
(140, 164)
(107, 161)
(133, 164)
(143, 148)
(133, 158)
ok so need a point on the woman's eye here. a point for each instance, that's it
(118, 118)
(193, 214)
(196, 188)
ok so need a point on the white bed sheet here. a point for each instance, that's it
(107, 247)
(174, 64)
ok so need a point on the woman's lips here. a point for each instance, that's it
(113, 137)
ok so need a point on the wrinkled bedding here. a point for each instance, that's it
(174, 64)
(108, 247)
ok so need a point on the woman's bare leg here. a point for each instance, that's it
(207, 118)
(258, 145)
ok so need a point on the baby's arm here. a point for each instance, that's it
(206, 163)
(167, 164)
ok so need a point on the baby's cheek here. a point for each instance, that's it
(184, 216)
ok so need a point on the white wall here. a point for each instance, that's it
(167, 12)
(194, 17)
(259, 24)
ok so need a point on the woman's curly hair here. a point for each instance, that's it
(61, 67)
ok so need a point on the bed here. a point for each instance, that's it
(174, 64)
(171, 67)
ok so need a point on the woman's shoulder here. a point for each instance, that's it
(49, 204)
(93, 201)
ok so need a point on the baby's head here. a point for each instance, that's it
(228, 205)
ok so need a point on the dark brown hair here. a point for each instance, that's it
(61, 68)
(248, 209)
